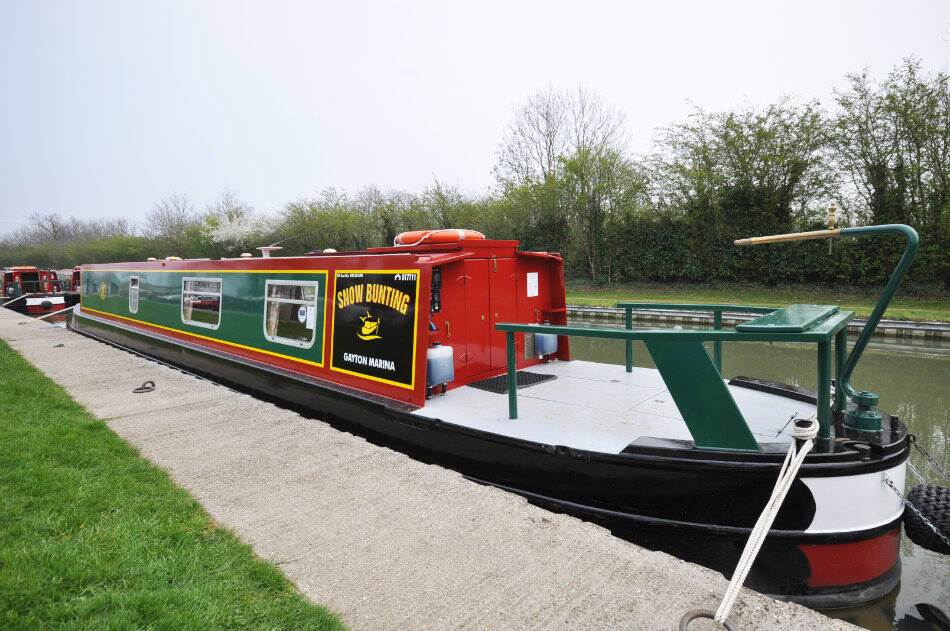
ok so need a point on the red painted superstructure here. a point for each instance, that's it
(482, 282)
(29, 279)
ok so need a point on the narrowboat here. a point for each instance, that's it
(34, 291)
(69, 279)
(455, 349)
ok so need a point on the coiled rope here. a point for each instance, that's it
(804, 430)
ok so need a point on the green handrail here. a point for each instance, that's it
(910, 251)
(723, 432)
(907, 258)
(717, 310)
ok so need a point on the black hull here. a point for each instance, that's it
(20, 306)
(656, 496)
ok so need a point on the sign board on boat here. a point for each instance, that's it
(374, 324)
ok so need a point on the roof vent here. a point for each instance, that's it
(267, 249)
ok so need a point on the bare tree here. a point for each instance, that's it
(170, 217)
(535, 139)
(595, 127)
(49, 227)
(228, 206)
(551, 125)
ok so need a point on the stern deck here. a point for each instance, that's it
(601, 407)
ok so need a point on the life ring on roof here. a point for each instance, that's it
(452, 235)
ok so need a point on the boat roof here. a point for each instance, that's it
(430, 253)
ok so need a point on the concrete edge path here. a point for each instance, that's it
(383, 540)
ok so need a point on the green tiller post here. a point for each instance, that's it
(824, 390)
(717, 346)
(912, 240)
(628, 319)
(910, 251)
(841, 353)
(512, 375)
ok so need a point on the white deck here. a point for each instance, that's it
(601, 407)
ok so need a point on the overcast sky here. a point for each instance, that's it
(107, 106)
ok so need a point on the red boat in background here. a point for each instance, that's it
(69, 279)
(34, 291)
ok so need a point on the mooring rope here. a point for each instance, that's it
(52, 313)
(20, 297)
(804, 430)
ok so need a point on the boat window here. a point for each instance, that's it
(201, 302)
(134, 294)
(290, 312)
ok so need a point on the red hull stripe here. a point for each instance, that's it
(849, 563)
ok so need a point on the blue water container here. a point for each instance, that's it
(440, 366)
(545, 343)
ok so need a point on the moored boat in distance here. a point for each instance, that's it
(35, 291)
(457, 351)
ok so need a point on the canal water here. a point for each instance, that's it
(912, 380)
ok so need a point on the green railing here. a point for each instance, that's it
(845, 366)
(910, 251)
(717, 311)
(695, 380)
(692, 378)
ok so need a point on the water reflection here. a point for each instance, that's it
(912, 378)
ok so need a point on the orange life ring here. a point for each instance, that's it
(452, 235)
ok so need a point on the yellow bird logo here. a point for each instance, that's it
(370, 330)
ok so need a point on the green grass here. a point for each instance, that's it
(92, 536)
(861, 302)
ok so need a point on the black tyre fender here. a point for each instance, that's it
(934, 502)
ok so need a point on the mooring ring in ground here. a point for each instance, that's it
(148, 386)
(701, 613)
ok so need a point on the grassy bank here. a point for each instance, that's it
(93, 536)
(861, 302)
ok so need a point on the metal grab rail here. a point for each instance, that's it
(717, 311)
(843, 381)
(833, 329)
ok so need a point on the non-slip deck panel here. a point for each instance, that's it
(499, 384)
